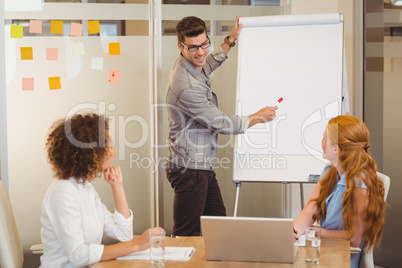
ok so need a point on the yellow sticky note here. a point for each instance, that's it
(54, 83)
(26, 53)
(56, 26)
(114, 48)
(93, 27)
(114, 76)
(27, 84)
(35, 26)
(17, 31)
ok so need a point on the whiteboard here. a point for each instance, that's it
(298, 58)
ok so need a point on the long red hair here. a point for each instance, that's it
(352, 137)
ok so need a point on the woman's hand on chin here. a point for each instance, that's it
(113, 175)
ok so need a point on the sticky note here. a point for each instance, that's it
(114, 48)
(52, 53)
(35, 26)
(114, 76)
(97, 63)
(54, 83)
(17, 31)
(56, 26)
(26, 53)
(93, 27)
(27, 84)
(78, 49)
(76, 29)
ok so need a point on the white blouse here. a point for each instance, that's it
(73, 222)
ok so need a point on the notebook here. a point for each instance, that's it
(248, 239)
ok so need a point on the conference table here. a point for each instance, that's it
(334, 253)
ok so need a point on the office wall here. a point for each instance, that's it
(382, 114)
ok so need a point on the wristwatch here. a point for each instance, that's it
(227, 42)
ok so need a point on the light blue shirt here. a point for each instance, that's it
(334, 220)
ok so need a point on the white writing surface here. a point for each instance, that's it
(298, 58)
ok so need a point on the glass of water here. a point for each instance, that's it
(157, 250)
(313, 242)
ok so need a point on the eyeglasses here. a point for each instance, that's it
(204, 45)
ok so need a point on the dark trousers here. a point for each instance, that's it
(196, 193)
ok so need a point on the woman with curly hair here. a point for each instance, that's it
(73, 218)
(348, 200)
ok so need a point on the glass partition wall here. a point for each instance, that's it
(219, 16)
(114, 58)
(69, 57)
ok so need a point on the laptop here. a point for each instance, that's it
(248, 239)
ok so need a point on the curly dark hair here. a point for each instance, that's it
(190, 27)
(76, 147)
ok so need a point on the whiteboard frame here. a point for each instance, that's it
(252, 175)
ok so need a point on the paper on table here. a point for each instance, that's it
(355, 250)
(171, 253)
(302, 241)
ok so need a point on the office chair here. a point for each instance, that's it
(11, 253)
(366, 259)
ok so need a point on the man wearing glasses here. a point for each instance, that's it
(194, 123)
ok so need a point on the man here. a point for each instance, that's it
(195, 121)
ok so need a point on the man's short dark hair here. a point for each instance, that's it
(190, 27)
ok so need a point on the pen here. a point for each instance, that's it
(294, 231)
(279, 101)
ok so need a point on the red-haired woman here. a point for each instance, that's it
(348, 200)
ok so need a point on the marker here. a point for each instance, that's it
(279, 101)
(294, 231)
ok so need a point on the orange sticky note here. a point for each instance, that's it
(17, 31)
(35, 26)
(56, 26)
(93, 27)
(54, 83)
(76, 29)
(27, 84)
(114, 48)
(52, 53)
(114, 76)
(26, 53)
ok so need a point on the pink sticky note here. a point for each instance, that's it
(114, 76)
(27, 84)
(35, 26)
(76, 29)
(52, 53)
